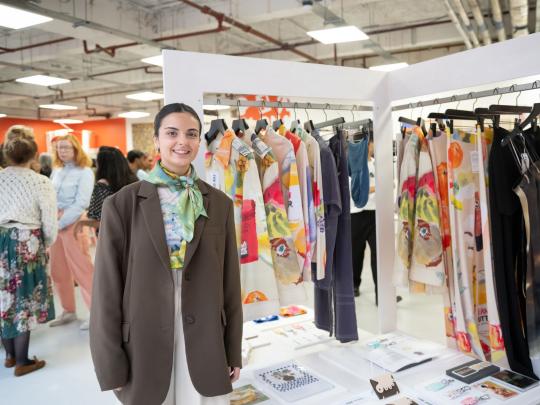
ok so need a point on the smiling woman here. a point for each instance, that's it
(168, 243)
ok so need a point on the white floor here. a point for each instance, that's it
(68, 378)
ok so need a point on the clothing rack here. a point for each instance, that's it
(497, 91)
(286, 104)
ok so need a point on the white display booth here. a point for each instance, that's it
(189, 76)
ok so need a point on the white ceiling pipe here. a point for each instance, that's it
(498, 20)
(479, 18)
(519, 10)
(458, 6)
(455, 20)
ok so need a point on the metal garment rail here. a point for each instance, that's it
(286, 104)
(497, 91)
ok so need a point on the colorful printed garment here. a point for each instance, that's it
(290, 185)
(26, 297)
(315, 167)
(472, 323)
(419, 243)
(181, 205)
(233, 163)
(306, 191)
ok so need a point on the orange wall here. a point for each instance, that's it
(110, 132)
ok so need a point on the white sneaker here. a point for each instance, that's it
(85, 325)
(63, 319)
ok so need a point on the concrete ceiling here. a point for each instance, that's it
(77, 43)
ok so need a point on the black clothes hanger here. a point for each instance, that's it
(217, 127)
(239, 125)
(509, 109)
(260, 125)
(276, 124)
(330, 123)
(518, 130)
(407, 121)
(309, 126)
(295, 124)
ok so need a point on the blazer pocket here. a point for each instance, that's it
(223, 318)
(125, 332)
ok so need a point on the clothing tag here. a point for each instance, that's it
(212, 176)
(241, 147)
(525, 162)
(260, 147)
(475, 163)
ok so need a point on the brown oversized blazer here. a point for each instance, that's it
(132, 316)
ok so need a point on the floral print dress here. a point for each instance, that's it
(25, 287)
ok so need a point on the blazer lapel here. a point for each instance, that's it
(151, 209)
(199, 226)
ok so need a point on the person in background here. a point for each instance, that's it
(364, 231)
(112, 174)
(73, 181)
(3, 162)
(137, 161)
(45, 161)
(28, 225)
(169, 244)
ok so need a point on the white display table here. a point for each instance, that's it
(341, 365)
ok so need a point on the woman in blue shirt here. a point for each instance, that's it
(73, 181)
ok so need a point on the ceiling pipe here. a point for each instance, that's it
(248, 29)
(111, 50)
(39, 44)
(498, 20)
(537, 15)
(520, 20)
(455, 20)
(464, 17)
(480, 23)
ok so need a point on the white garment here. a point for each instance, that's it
(142, 175)
(28, 201)
(370, 205)
(181, 390)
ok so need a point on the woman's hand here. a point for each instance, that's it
(118, 389)
(234, 373)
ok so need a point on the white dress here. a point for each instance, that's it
(181, 391)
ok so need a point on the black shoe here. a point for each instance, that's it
(357, 292)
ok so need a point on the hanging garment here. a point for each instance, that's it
(472, 325)
(231, 167)
(496, 341)
(509, 252)
(324, 316)
(290, 185)
(358, 170)
(528, 192)
(341, 292)
(319, 247)
(438, 151)
(306, 192)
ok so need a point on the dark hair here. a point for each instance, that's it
(45, 161)
(20, 149)
(112, 166)
(174, 108)
(134, 154)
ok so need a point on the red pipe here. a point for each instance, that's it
(22, 48)
(246, 28)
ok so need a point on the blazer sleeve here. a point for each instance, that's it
(232, 295)
(110, 360)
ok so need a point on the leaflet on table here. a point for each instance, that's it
(248, 394)
(302, 334)
(291, 382)
(395, 352)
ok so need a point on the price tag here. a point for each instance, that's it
(475, 162)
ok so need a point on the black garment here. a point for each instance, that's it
(340, 294)
(99, 194)
(363, 230)
(45, 171)
(18, 348)
(509, 252)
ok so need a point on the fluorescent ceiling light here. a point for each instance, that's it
(338, 35)
(3, 115)
(215, 107)
(389, 67)
(68, 121)
(145, 96)
(58, 106)
(134, 114)
(42, 80)
(154, 60)
(14, 18)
